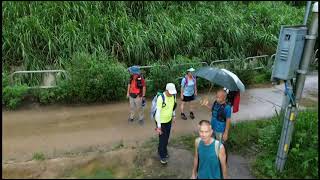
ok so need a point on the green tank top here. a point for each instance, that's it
(208, 165)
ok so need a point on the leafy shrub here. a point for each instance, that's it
(93, 78)
(303, 151)
(12, 96)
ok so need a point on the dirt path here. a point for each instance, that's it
(57, 130)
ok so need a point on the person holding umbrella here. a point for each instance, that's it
(221, 117)
(188, 93)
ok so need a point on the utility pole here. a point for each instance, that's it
(290, 112)
(285, 100)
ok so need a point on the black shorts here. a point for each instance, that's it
(188, 98)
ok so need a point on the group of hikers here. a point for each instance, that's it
(210, 157)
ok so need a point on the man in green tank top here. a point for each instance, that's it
(209, 155)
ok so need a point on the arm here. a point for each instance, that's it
(195, 89)
(144, 88)
(222, 158)
(144, 91)
(195, 159)
(183, 82)
(157, 116)
(181, 95)
(128, 89)
(226, 131)
(228, 123)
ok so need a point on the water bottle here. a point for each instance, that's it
(143, 102)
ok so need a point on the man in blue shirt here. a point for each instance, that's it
(221, 116)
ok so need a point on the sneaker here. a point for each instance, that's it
(183, 116)
(163, 161)
(191, 115)
(130, 120)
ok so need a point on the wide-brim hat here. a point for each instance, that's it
(190, 70)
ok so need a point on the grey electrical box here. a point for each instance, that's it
(289, 52)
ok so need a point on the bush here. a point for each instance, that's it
(160, 76)
(302, 159)
(172, 72)
(93, 78)
(13, 95)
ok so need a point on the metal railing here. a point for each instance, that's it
(38, 71)
(183, 64)
(315, 59)
(253, 58)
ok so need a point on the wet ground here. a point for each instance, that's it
(57, 130)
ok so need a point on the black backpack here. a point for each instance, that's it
(138, 82)
(221, 113)
(230, 97)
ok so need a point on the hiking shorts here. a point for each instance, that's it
(188, 98)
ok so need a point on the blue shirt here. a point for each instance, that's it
(216, 125)
(209, 165)
(188, 90)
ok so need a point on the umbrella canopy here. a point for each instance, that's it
(221, 77)
(239, 83)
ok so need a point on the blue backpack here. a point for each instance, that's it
(154, 104)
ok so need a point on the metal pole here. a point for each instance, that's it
(306, 15)
(292, 110)
(308, 52)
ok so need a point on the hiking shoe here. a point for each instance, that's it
(130, 120)
(163, 161)
(191, 115)
(183, 116)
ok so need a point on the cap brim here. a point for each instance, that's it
(172, 91)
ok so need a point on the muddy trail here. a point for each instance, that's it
(60, 130)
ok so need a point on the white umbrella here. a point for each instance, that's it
(236, 80)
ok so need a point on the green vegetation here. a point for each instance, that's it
(303, 156)
(186, 142)
(96, 174)
(41, 33)
(39, 156)
(96, 41)
(260, 139)
(12, 96)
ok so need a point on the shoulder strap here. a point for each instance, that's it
(163, 100)
(217, 145)
(198, 141)
(186, 78)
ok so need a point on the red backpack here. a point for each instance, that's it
(136, 84)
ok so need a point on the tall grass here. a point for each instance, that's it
(37, 34)
(50, 35)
